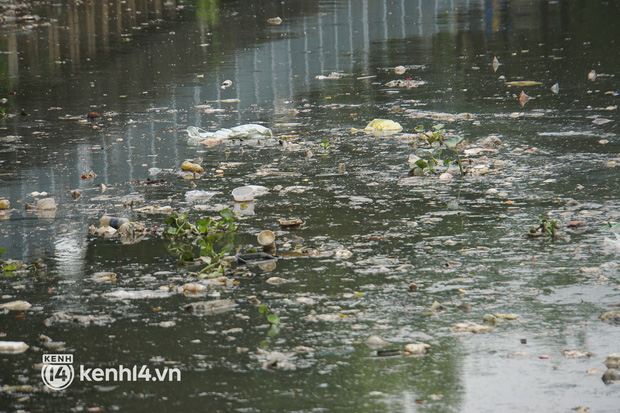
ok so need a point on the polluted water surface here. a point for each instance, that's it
(439, 222)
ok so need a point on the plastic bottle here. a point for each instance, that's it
(113, 222)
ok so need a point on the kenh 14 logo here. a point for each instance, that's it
(57, 372)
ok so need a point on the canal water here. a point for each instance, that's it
(379, 253)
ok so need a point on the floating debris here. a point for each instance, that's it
(555, 88)
(576, 354)
(523, 98)
(613, 361)
(417, 349)
(523, 83)
(495, 64)
(13, 347)
(104, 277)
(592, 75)
(276, 21)
(191, 167)
(376, 342)
(406, 83)
(612, 317)
(19, 305)
(383, 125)
(332, 75)
(81, 320)
(210, 307)
(290, 223)
(471, 327)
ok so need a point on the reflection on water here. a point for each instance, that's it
(153, 68)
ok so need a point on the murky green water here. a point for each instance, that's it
(152, 69)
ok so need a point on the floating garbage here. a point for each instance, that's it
(290, 223)
(19, 305)
(495, 64)
(247, 131)
(470, 327)
(375, 342)
(45, 204)
(383, 125)
(210, 307)
(243, 194)
(114, 222)
(5, 204)
(152, 209)
(13, 347)
(406, 83)
(523, 83)
(226, 84)
(267, 240)
(276, 280)
(555, 88)
(399, 70)
(276, 21)
(256, 258)
(198, 195)
(191, 167)
(417, 349)
(81, 320)
(104, 277)
(136, 294)
(592, 75)
(259, 190)
(332, 75)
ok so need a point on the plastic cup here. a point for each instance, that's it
(243, 194)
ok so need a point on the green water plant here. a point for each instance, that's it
(273, 320)
(8, 267)
(207, 240)
(431, 154)
(546, 227)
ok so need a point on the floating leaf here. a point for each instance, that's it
(422, 163)
(227, 214)
(273, 319)
(262, 309)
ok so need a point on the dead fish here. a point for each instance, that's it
(523, 98)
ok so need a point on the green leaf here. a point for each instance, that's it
(263, 309)
(187, 255)
(419, 129)
(273, 319)
(171, 231)
(10, 267)
(438, 126)
(2, 251)
(421, 163)
(227, 214)
(273, 331)
(451, 143)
